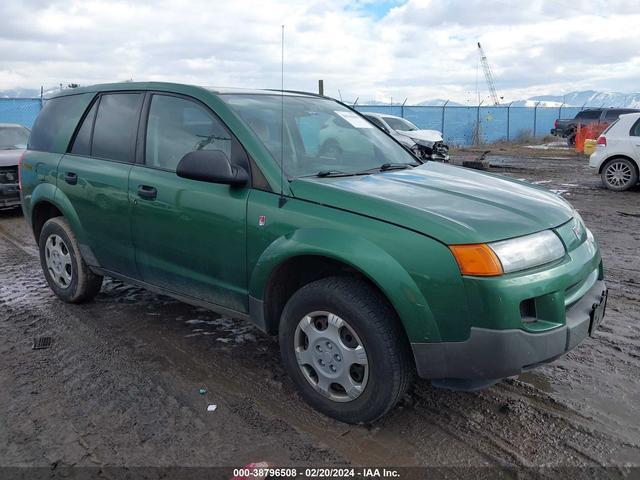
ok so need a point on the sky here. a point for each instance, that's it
(404, 49)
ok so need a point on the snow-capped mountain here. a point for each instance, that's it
(587, 98)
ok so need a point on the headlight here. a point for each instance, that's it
(528, 251)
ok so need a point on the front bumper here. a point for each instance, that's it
(9, 195)
(492, 354)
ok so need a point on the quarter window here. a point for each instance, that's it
(635, 130)
(177, 126)
(82, 143)
(116, 126)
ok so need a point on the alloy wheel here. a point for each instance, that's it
(618, 174)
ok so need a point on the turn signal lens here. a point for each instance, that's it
(476, 259)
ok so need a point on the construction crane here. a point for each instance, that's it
(488, 75)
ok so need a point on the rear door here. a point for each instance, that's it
(94, 175)
(189, 236)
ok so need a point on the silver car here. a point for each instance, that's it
(13, 141)
(426, 144)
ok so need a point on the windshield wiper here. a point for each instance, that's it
(385, 167)
(396, 166)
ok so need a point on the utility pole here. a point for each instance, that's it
(488, 76)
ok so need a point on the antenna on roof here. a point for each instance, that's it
(282, 199)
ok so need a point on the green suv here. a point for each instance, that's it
(369, 264)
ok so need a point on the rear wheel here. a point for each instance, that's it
(619, 174)
(345, 350)
(64, 268)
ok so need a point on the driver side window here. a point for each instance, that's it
(177, 126)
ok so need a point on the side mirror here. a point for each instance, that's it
(211, 166)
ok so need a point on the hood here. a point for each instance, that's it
(10, 158)
(424, 135)
(452, 204)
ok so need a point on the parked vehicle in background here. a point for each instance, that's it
(369, 266)
(567, 128)
(425, 144)
(13, 141)
(617, 155)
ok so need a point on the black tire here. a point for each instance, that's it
(84, 284)
(571, 140)
(390, 364)
(624, 179)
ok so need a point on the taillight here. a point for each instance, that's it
(20, 170)
(555, 124)
(602, 140)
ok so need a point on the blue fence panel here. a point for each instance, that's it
(427, 118)
(459, 125)
(388, 109)
(569, 112)
(493, 124)
(19, 110)
(545, 117)
(520, 122)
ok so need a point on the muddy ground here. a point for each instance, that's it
(120, 384)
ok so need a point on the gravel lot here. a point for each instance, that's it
(120, 384)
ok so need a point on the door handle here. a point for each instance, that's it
(147, 192)
(71, 178)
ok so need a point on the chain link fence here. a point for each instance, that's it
(459, 125)
(22, 111)
(463, 126)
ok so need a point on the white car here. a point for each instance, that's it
(617, 155)
(426, 144)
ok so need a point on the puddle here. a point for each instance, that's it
(536, 380)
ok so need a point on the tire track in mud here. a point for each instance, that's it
(91, 403)
(165, 347)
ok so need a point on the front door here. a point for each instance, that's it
(94, 176)
(189, 236)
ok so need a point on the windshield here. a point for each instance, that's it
(319, 135)
(12, 138)
(400, 124)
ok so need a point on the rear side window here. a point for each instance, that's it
(589, 114)
(82, 143)
(177, 126)
(611, 115)
(56, 122)
(115, 127)
(635, 130)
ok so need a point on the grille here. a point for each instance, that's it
(9, 175)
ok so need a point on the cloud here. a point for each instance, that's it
(373, 50)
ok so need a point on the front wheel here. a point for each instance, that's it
(619, 174)
(345, 349)
(64, 268)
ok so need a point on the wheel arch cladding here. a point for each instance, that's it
(349, 254)
(49, 201)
